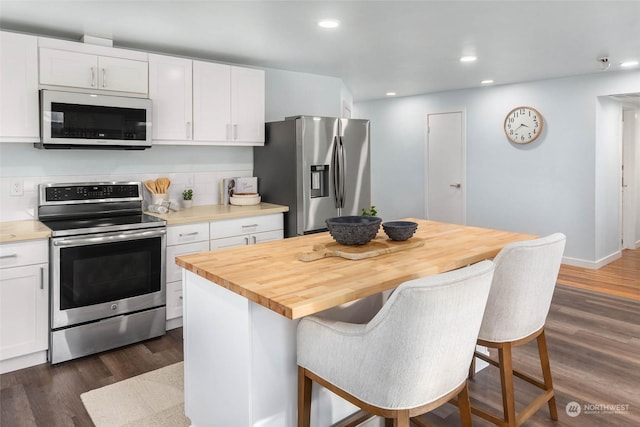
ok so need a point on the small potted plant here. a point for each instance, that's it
(187, 198)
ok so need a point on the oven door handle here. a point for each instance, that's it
(125, 235)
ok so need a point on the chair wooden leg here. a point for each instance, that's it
(465, 406)
(388, 422)
(546, 373)
(402, 419)
(304, 398)
(506, 380)
(472, 368)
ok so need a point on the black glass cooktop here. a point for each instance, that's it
(71, 227)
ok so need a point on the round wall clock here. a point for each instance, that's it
(523, 125)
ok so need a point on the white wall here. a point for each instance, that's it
(539, 188)
(287, 93)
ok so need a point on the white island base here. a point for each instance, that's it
(240, 364)
(240, 361)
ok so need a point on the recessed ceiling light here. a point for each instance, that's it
(390, 94)
(629, 64)
(486, 82)
(328, 23)
(468, 58)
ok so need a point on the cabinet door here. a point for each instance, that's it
(64, 68)
(24, 295)
(174, 300)
(170, 86)
(268, 236)
(247, 104)
(124, 75)
(211, 101)
(19, 109)
(174, 272)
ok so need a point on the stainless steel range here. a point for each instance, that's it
(107, 267)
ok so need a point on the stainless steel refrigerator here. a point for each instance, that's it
(318, 166)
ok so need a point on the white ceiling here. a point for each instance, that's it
(409, 47)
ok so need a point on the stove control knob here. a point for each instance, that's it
(114, 306)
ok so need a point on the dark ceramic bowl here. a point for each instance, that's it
(353, 230)
(399, 230)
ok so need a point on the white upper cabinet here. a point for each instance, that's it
(19, 110)
(211, 101)
(170, 89)
(205, 103)
(247, 104)
(89, 71)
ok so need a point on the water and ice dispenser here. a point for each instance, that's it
(319, 181)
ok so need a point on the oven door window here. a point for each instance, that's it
(107, 272)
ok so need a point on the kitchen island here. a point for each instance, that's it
(242, 307)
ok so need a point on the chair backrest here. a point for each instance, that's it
(421, 342)
(522, 288)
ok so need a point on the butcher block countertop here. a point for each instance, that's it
(215, 212)
(271, 274)
(16, 231)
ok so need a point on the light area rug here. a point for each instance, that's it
(153, 399)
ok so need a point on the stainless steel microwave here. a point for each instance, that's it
(93, 121)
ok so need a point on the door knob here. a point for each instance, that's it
(454, 185)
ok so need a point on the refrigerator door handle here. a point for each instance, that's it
(335, 164)
(342, 173)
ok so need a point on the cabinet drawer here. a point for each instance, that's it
(187, 233)
(244, 226)
(24, 253)
(173, 271)
(248, 239)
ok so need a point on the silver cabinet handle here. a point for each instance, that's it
(454, 185)
(188, 130)
(246, 240)
(189, 234)
(93, 77)
(9, 256)
(255, 240)
(41, 277)
(104, 77)
(250, 225)
(235, 132)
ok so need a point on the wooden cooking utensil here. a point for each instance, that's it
(162, 185)
(151, 186)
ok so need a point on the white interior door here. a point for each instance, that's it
(445, 174)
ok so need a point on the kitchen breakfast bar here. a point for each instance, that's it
(242, 306)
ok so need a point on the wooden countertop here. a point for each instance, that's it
(16, 231)
(271, 274)
(215, 212)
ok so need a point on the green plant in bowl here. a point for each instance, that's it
(370, 212)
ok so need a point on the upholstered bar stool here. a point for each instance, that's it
(412, 357)
(519, 301)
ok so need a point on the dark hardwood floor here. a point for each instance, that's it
(620, 277)
(593, 340)
(49, 396)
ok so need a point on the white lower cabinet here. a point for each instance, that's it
(205, 236)
(24, 304)
(245, 231)
(181, 240)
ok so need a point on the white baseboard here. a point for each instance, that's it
(174, 323)
(593, 265)
(21, 362)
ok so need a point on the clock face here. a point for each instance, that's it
(523, 125)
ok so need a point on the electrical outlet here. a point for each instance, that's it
(16, 188)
